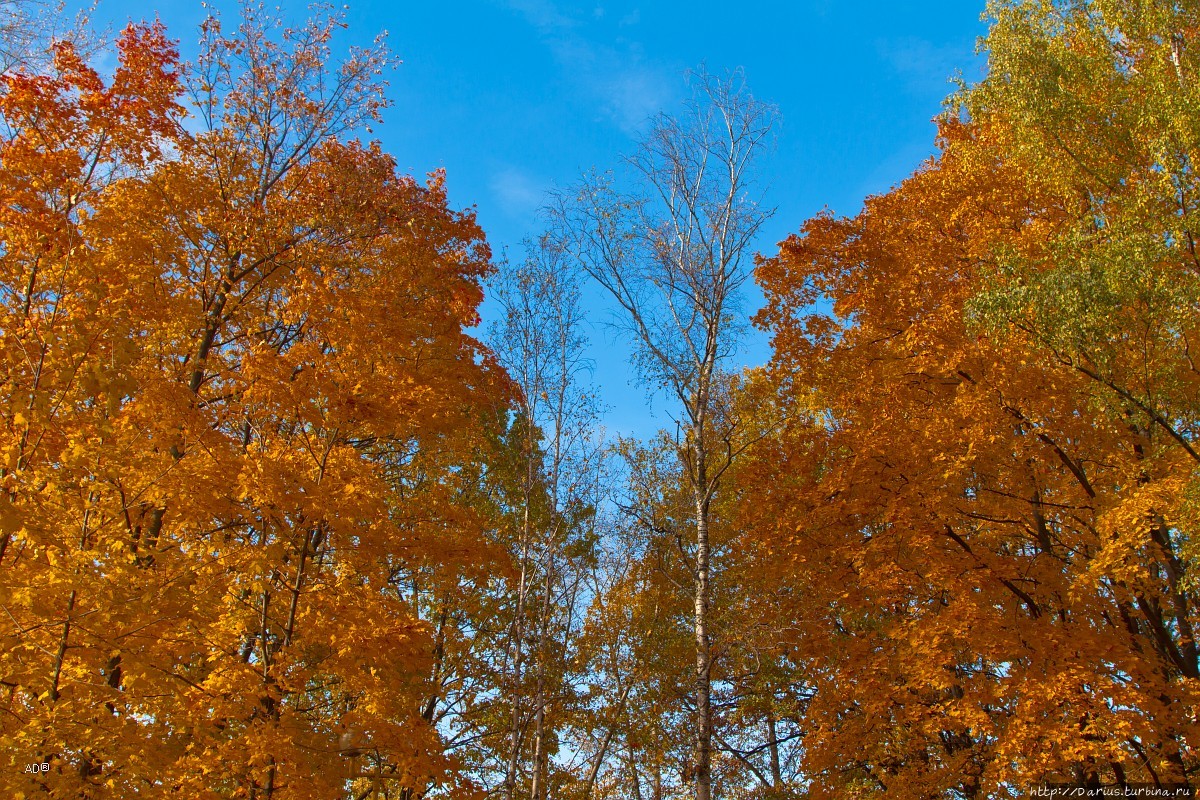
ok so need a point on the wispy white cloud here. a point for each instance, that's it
(520, 195)
(633, 96)
(923, 65)
(625, 85)
(541, 14)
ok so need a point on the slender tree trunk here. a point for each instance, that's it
(608, 735)
(60, 656)
(514, 754)
(538, 790)
(539, 734)
(703, 759)
(773, 746)
(439, 656)
(298, 586)
(634, 778)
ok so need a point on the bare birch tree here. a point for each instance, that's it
(674, 253)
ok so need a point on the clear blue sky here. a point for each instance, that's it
(514, 97)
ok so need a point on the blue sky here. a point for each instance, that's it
(515, 97)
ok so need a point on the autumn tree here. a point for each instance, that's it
(539, 339)
(673, 254)
(238, 393)
(986, 524)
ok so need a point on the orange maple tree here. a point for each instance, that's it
(237, 391)
(985, 523)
